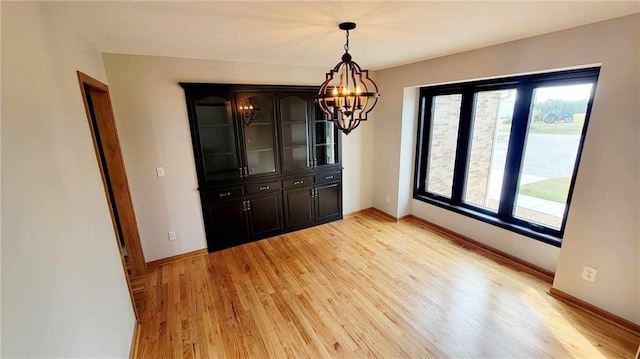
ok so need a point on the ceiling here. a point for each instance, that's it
(388, 33)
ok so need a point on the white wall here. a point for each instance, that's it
(64, 292)
(0, 189)
(602, 228)
(153, 127)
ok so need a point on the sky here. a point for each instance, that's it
(565, 92)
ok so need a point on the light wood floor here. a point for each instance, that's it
(362, 287)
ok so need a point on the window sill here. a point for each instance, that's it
(542, 237)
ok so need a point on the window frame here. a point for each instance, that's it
(504, 217)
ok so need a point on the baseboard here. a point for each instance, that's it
(135, 341)
(375, 211)
(380, 213)
(356, 213)
(488, 251)
(179, 257)
(608, 317)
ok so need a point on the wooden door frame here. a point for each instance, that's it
(117, 180)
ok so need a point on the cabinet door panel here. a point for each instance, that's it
(260, 143)
(224, 223)
(298, 207)
(326, 140)
(217, 136)
(294, 110)
(329, 202)
(264, 215)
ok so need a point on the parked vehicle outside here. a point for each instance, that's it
(556, 115)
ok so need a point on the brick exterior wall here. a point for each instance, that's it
(484, 133)
(444, 132)
(442, 151)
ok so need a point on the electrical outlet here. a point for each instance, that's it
(589, 274)
(388, 198)
(172, 235)
(160, 171)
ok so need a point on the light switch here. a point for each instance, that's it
(160, 171)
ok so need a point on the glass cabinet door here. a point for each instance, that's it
(294, 115)
(217, 138)
(256, 114)
(326, 140)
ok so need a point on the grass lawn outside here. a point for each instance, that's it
(553, 189)
(556, 128)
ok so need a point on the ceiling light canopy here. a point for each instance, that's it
(348, 94)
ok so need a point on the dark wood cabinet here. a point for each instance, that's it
(217, 137)
(325, 146)
(319, 201)
(295, 112)
(262, 175)
(224, 222)
(264, 217)
(231, 220)
(259, 137)
(328, 202)
(298, 207)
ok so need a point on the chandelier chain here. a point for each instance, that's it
(346, 45)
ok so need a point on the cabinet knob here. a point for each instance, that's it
(262, 188)
(298, 182)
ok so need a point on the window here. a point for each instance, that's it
(505, 151)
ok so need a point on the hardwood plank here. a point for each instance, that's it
(362, 287)
(498, 255)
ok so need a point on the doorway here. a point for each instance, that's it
(97, 104)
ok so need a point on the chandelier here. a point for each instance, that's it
(348, 94)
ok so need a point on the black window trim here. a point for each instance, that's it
(525, 85)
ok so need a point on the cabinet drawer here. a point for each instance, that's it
(223, 194)
(328, 177)
(263, 187)
(298, 182)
